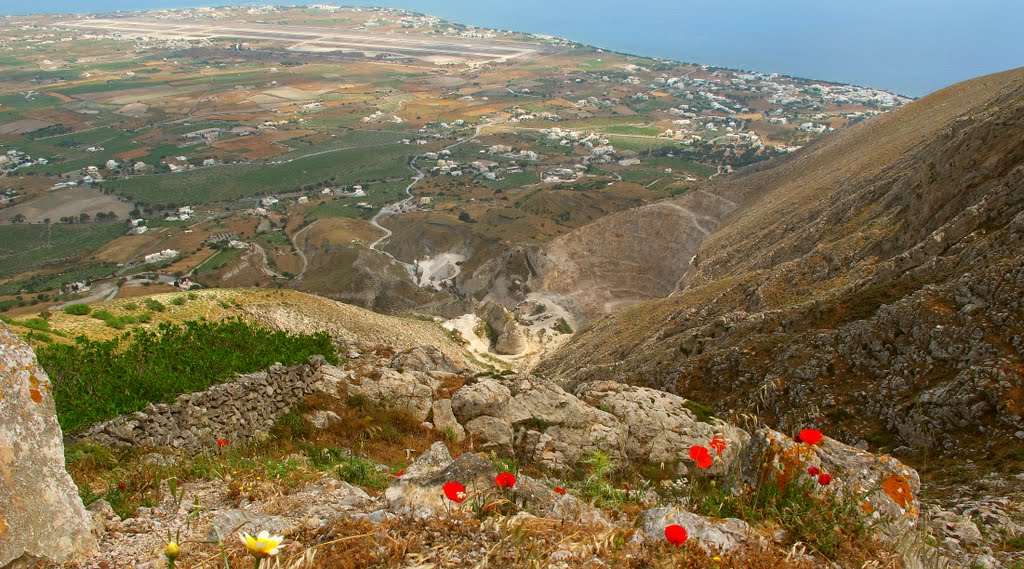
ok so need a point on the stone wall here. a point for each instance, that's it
(234, 411)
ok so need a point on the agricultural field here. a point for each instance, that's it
(207, 127)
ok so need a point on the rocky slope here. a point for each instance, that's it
(551, 516)
(871, 284)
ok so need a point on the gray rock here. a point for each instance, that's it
(227, 522)
(491, 433)
(41, 514)
(418, 490)
(887, 488)
(444, 420)
(426, 359)
(409, 389)
(660, 429)
(483, 397)
(506, 336)
(712, 534)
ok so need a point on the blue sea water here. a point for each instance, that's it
(911, 47)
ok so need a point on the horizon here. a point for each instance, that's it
(912, 48)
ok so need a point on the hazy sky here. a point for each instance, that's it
(909, 46)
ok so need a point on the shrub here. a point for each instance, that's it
(78, 309)
(97, 380)
(178, 301)
(154, 305)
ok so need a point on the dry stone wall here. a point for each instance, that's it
(234, 411)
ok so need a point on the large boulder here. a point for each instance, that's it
(426, 359)
(507, 337)
(715, 535)
(445, 421)
(660, 428)
(418, 489)
(413, 390)
(484, 396)
(538, 419)
(41, 514)
(887, 489)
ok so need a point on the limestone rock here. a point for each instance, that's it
(445, 421)
(426, 359)
(491, 433)
(419, 488)
(506, 335)
(227, 522)
(484, 397)
(660, 429)
(410, 389)
(712, 534)
(889, 489)
(41, 514)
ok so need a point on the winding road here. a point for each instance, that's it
(399, 206)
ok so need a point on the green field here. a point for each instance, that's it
(377, 195)
(25, 247)
(49, 282)
(236, 181)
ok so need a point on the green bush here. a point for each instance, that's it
(78, 309)
(98, 380)
(178, 301)
(154, 305)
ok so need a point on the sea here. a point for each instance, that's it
(910, 47)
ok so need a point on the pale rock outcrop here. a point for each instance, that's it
(506, 335)
(887, 488)
(426, 359)
(410, 389)
(484, 397)
(418, 490)
(660, 427)
(715, 535)
(444, 420)
(491, 433)
(41, 514)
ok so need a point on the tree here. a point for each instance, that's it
(19, 218)
(83, 217)
(464, 217)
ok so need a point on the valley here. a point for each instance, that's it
(301, 269)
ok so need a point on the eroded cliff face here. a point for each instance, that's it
(872, 283)
(41, 515)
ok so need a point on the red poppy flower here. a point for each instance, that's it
(810, 436)
(400, 473)
(825, 479)
(560, 491)
(718, 443)
(455, 492)
(701, 455)
(676, 535)
(122, 486)
(222, 443)
(813, 471)
(505, 480)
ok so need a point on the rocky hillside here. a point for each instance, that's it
(404, 459)
(870, 284)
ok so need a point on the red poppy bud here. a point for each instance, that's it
(675, 534)
(455, 492)
(399, 473)
(505, 480)
(222, 443)
(814, 471)
(122, 486)
(825, 479)
(560, 491)
(810, 436)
